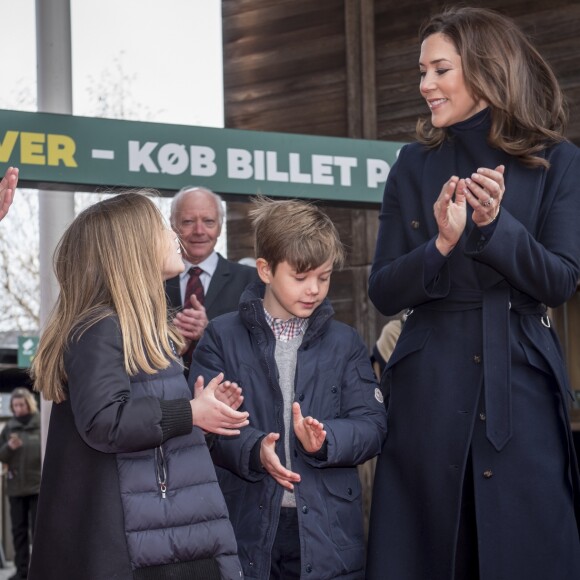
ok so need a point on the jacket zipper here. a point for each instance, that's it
(268, 351)
(161, 469)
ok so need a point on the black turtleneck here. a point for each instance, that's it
(470, 151)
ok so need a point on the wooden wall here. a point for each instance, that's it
(297, 67)
(553, 26)
(349, 68)
(284, 66)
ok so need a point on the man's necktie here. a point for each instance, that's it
(194, 286)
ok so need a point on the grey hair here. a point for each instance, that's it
(189, 188)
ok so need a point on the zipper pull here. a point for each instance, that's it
(161, 471)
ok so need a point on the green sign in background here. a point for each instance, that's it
(27, 346)
(82, 153)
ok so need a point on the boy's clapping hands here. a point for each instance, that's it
(272, 464)
(311, 434)
(309, 431)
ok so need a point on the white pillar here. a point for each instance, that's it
(54, 93)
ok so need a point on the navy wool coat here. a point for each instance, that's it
(477, 370)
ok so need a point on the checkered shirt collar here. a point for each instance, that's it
(285, 330)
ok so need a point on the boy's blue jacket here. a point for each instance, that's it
(335, 384)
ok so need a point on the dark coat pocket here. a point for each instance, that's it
(343, 502)
(537, 360)
(407, 344)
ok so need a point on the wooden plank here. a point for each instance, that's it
(368, 65)
(353, 68)
(278, 62)
(256, 14)
(239, 231)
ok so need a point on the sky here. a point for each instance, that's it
(168, 52)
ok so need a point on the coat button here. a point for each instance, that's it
(305, 509)
(333, 389)
(476, 358)
(349, 491)
(415, 224)
(488, 474)
(308, 568)
(482, 416)
(251, 564)
(261, 507)
(301, 397)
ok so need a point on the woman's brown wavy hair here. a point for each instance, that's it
(502, 67)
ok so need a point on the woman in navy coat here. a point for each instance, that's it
(478, 235)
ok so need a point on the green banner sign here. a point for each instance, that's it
(27, 346)
(83, 153)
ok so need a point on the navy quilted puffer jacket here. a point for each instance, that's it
(129, 491)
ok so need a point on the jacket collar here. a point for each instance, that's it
(33, 424)
(251, 312)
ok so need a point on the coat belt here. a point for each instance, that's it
(497, 366)
(495, 303)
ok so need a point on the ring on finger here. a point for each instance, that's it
(488, 202)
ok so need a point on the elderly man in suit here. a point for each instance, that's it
(210, 285)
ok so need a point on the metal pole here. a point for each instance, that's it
(54, 93)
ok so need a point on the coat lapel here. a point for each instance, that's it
(218, 281)
(173, 292)
(523, 192)
(439, 167)
(523, 196)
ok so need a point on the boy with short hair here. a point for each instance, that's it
(290, 478)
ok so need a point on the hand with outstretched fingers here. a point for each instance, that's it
(309, 431)
(213, 415)
(273, 465)
(230, 394)
(450, 211)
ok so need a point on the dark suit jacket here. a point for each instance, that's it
(225, 288)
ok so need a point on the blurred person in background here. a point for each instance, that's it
(20, 451)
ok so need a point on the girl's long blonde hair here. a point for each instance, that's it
(109, 262)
